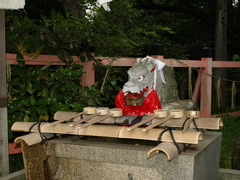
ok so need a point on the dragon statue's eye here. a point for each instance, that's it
(140, 78)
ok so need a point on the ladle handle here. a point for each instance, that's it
(65, 119)
(95, 121)
(157, 123)
(83, 120)
(141, 123)
(187, 124)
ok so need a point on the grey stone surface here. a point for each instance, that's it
(228, 174)
(224, 174)
(4, 159)
(167, 92)
(19, 175)
(73, 158)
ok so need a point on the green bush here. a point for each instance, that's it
(230, 132)
(15, 162)
(36, 93)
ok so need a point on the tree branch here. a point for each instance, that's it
(183, 6)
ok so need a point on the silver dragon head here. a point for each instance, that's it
(142, 79)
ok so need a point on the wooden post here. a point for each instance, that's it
(14, 148)
(206, 88)
(4, 159)
(88, 78)
(197, 89)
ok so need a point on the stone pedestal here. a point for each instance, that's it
(74, 158)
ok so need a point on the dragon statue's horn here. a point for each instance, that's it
(138, 61)
(150, 65)
(145, 62)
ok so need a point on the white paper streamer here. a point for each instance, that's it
(12, 4)
(159, 68)
(104, 4)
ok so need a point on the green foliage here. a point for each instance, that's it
(37, 93)
(124, 31)
(59, 35)
(236, 57)
(230, 132)
(127, 30)
(115, 79)
(15, 163)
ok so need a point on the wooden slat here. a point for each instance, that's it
(14, 148)
(184, 63)
(40, 60)
(226, 64)
(127, 62)
(235, 114)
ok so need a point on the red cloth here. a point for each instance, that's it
(150, 103)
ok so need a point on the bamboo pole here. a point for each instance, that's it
(29, 139)
(169, 149)
(111, 131)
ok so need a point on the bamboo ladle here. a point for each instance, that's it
(191, 115)
(106, 113)
(158, 113)
(98, 112)
(176, 113)
(86, 110)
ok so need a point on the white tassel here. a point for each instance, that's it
(159, 67)
(104, 4)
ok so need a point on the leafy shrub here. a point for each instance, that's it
(115, 78)
(36, 93)
(58, 34)
(230, 133)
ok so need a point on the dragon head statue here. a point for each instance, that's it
(142, 80)
(139, 95)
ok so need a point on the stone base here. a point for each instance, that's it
(19, 175)
(74, 158)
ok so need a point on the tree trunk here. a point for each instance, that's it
(74, 7)
(221, 46)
